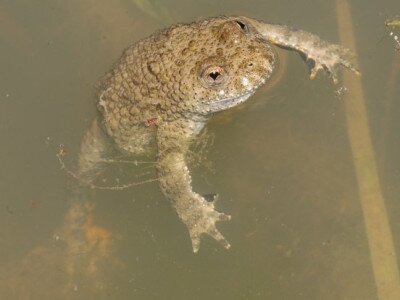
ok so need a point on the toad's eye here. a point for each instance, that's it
(242, 25)
(213, 76)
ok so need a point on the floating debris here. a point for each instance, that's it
(340, 91)
(393, 22)
(391, 25)
(62, 152)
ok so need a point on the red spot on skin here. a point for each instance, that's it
(152, 121)
(34, 204)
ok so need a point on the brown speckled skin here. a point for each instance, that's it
(158, 77)
(165, 87)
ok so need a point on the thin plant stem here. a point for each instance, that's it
(379, 235)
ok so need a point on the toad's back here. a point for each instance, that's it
(159, 78)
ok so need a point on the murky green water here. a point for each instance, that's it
(281, 164)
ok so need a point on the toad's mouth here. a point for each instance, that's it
(225, 103)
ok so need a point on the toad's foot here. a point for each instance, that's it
(200, 219)
(328, 58)
(196, 211)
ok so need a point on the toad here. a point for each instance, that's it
(165, 87)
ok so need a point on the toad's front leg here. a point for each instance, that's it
(319, 54)
(199, 215)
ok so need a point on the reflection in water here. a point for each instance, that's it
(80, 249)
(74, 261)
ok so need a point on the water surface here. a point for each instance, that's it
(281, 164)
